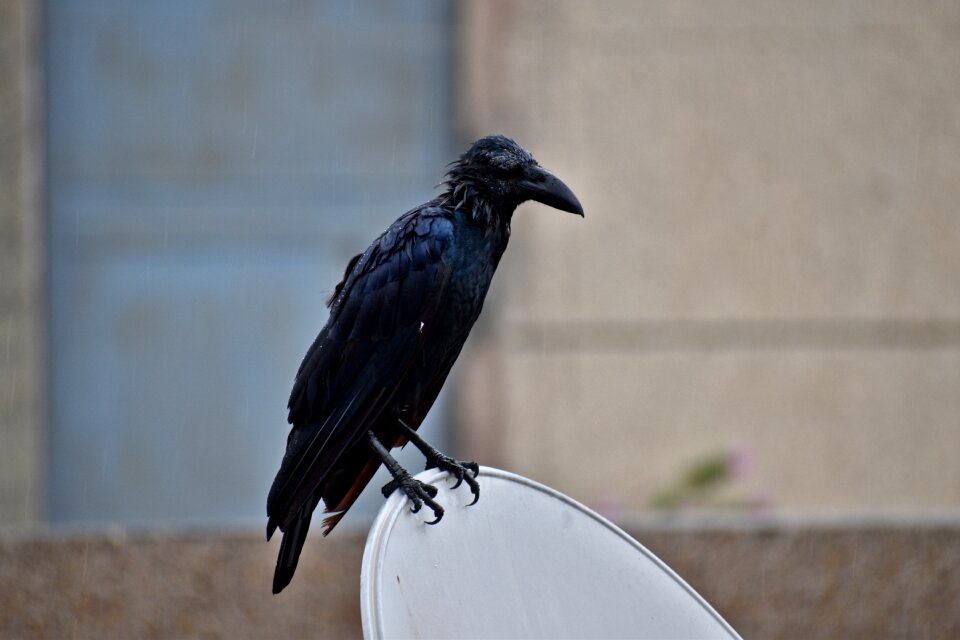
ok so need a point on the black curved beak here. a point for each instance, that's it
(542, 186)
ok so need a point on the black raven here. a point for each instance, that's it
(398, 320)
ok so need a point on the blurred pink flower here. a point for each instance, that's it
(740, 462)
(609, 506)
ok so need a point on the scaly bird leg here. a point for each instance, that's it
(419, 493)
(435, 460)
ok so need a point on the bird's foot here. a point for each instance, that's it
(419, 493)
(462, 471)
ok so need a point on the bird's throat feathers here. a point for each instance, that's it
(482, 209)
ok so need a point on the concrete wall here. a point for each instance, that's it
(771, 581)
(769, 256)
(768, 259)
(21, 266)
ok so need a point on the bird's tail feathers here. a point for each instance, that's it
(290, 548)
(331, 521)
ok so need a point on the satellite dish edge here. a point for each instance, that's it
(525, 561)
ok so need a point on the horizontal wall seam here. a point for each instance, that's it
(733, 334)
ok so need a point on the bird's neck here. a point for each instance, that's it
(479, 207)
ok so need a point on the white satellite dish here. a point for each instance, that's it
(524, 562)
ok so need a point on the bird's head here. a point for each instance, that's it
(496, 174)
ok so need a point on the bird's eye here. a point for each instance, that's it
(508, 170)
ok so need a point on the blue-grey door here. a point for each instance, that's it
(212, 166)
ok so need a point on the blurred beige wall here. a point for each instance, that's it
(770, 257)
(21, 265)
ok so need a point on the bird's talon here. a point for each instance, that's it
(417, 504)
(474, 489)
(462, 471)
(389, 488)
(418, 492)
(437, 511)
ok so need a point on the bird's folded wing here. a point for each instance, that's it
(360, 357)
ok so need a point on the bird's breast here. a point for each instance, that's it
(474, 258)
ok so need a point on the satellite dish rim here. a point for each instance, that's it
(373, 552)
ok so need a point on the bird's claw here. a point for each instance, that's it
(393, 485)
(460, 470)
(419, 493)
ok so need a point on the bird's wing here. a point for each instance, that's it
(362, 354)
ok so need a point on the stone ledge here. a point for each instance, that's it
(771, 581)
